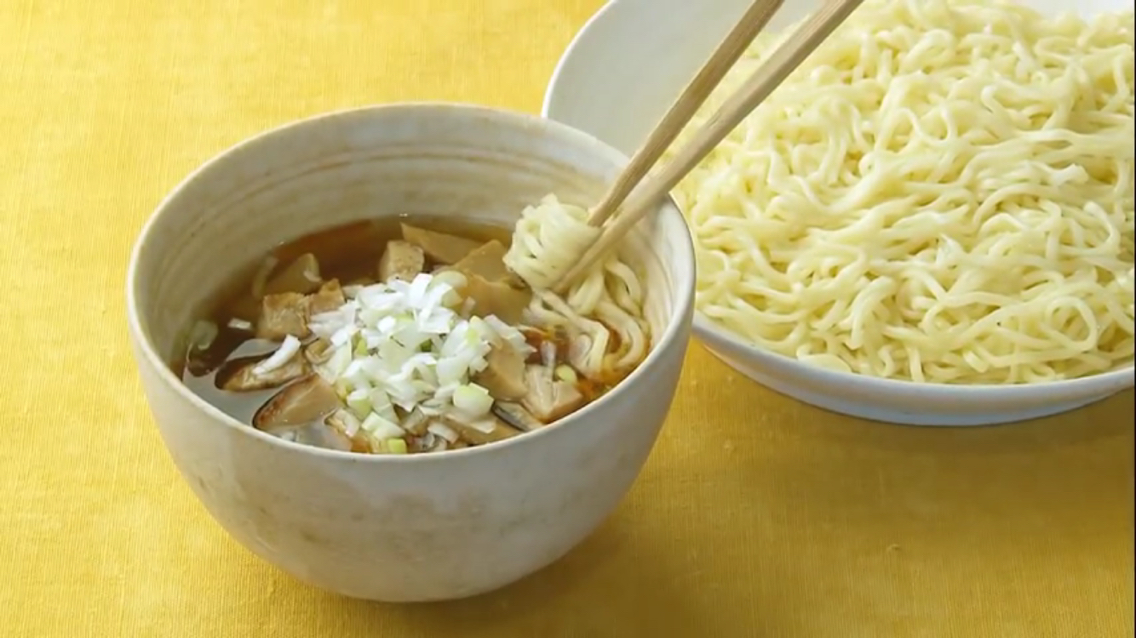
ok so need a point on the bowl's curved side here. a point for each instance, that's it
(415, 532)
(398, 528)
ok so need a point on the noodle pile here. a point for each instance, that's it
(548, 238)
(943, 192)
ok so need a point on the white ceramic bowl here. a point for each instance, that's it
(618, 77)
(391, 528)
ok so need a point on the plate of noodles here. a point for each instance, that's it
(930, 222)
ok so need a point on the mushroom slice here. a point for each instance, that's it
(517, 416)
(239, 375)
(317, 435)
(480, 430)
(299, 403)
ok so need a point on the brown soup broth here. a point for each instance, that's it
(348, 253)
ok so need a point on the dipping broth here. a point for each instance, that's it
(402, 337)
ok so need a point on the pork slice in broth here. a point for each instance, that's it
(301, 276)
(497, 298)
(504, 373)
(488, 262)
(329, 297)
(440, 247)
(287, 313)
(281, 315)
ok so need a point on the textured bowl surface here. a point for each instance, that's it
(409, 528)
(616, 80)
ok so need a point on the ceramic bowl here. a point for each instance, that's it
(398, 528)
(618, 77)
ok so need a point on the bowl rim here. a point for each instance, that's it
(551, 90)
(675, 334)
(718, 337)
(713, 334)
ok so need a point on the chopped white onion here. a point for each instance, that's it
(283, 354)
(240, 324)
(566, 373)
(344, 334)
(510, 335)
(381, 428)
(359, 400)
(403, 344)
(472, 399)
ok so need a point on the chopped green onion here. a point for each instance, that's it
(472, 399)
(359, 401)
(566, 373)
(342, 388)
(381, 428)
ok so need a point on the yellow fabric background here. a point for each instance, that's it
(755, 516)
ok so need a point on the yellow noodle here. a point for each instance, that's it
(943, 192)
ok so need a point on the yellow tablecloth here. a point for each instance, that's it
(756, 516)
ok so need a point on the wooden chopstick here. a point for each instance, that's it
(756, 89)
(693, 96)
